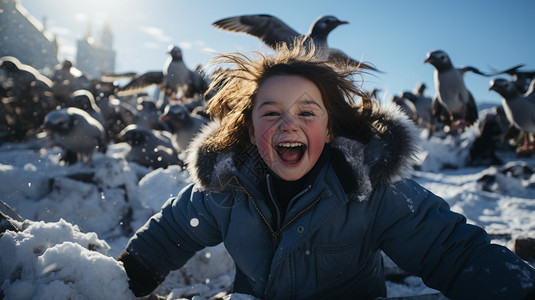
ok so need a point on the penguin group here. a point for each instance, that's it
(453, 108)
(82, 115)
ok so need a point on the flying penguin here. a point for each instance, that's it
(175, 81)
(522, 79)
(273, 31)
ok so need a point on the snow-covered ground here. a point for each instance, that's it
(79, 218)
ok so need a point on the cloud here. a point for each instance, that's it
(208, 49)
(100, 18)
(198, 45)
(81, 17)
(156, 33)
(185, 45)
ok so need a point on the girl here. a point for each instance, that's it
(305, 188)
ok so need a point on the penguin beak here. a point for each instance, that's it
(492, 86)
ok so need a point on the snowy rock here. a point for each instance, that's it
(514, 177)
(448, 152)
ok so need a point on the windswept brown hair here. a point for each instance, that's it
(237, 87)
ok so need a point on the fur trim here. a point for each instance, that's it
(387, 158)
(393, 154)
(358, 182)
(208, 169)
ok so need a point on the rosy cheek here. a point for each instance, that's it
(316, 147)
(264, 132)
(263, 141)
(317, 140)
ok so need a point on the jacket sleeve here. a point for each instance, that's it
(420, 233)
(169, 239)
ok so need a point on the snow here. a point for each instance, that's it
(79, 218)
(55, 260)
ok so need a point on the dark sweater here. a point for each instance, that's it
(284, 191)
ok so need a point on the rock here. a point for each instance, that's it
(515, 176)
(525, 248)
(9, 219)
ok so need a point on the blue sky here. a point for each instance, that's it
(393, 35)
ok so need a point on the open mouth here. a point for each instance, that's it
(291, 153)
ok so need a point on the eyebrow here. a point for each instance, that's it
(267, 103)
(309, 102)
(312, 102)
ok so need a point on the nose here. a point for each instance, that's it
(288, 123)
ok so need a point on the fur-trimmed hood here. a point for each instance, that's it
(387, 158)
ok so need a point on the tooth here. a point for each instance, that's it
(289, 145)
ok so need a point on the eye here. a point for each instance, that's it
(309, 110)
(307, 113)
(270, 114)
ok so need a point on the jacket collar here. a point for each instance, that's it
(387, 158)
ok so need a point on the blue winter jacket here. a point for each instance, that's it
(328, 245)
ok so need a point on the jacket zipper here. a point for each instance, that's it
(276, 235)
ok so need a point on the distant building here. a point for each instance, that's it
(23, 37)
(95, 55)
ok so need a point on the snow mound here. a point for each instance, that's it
(56, 260)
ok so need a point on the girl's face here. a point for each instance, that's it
(289, 125)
